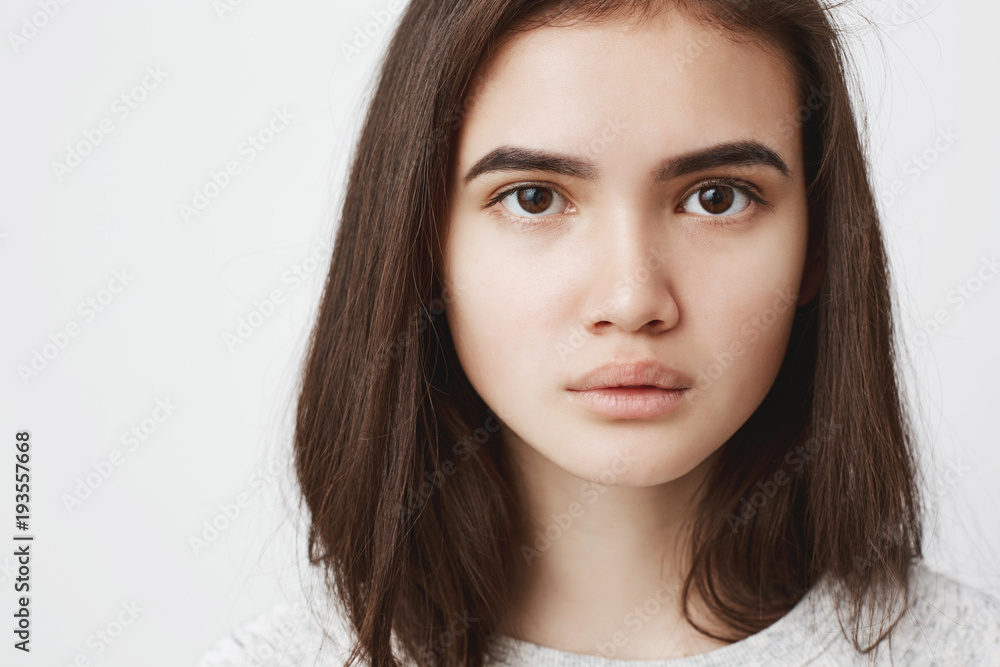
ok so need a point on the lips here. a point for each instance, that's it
(642, 373)
(630, 390)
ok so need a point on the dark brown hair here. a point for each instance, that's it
(411, 511)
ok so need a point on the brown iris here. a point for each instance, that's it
(716, 199)
(531, 199)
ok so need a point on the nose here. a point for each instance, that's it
(630, 286)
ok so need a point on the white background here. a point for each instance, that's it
(161, 336)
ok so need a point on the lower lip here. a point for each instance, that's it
(630, 402)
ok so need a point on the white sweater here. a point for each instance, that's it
(948, 623)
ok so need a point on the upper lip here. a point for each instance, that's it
(648, 373)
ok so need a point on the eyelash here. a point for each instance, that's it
(748, 189)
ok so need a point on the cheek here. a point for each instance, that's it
(505, 320)
(742, 313)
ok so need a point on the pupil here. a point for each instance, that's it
(716, 199)
(531, 199)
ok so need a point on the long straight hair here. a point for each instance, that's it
(412, 516)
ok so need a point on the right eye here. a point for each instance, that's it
(533, 200)
(718, 200)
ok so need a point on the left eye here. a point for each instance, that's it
(533, 201)
(717, 200)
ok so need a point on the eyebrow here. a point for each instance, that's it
(730, 154)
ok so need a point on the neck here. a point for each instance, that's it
(602, 567)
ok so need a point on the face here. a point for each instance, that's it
(647, 203)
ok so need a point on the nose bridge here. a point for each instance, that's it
(632, 283)
(628, 235)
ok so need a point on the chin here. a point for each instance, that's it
(632, 460)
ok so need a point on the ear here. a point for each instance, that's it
(811, 277)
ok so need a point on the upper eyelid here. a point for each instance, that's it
(729, 181)
(497, 199)
(527, 185)
(746, 187)
(750, 190)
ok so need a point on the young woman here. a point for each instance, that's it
(604, 368)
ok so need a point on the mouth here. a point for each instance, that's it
(630, 401)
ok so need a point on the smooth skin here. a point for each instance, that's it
(613, 258)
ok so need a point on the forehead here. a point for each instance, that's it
(674, 83)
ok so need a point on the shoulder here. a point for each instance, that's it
(287, 635)
(948, 622)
